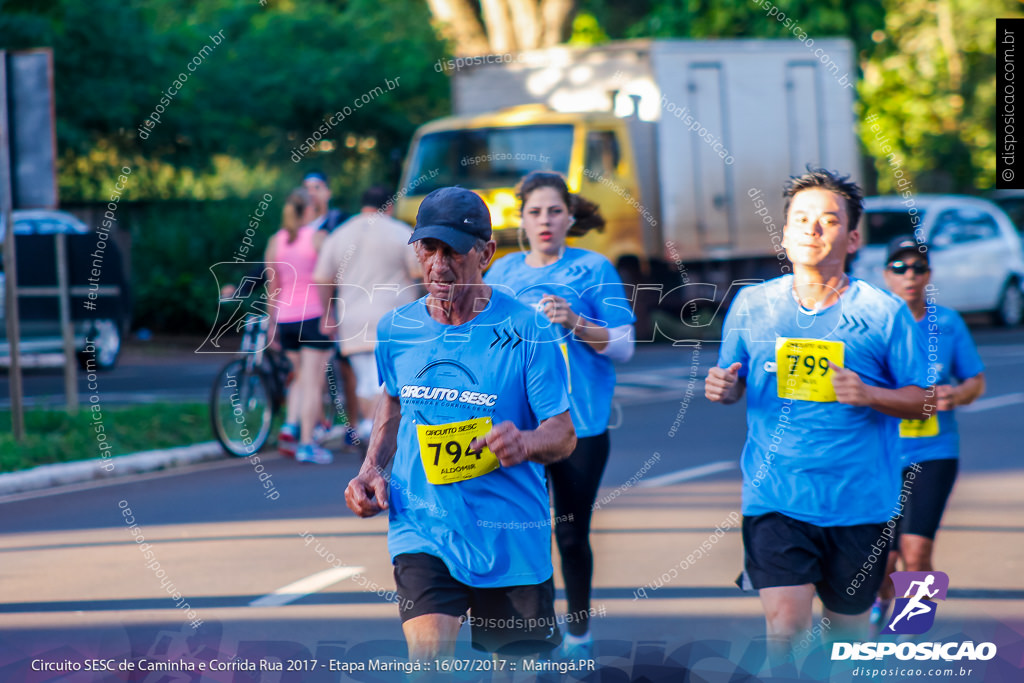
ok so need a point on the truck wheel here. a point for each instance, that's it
(105, 336)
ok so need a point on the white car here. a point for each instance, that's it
(975, 252)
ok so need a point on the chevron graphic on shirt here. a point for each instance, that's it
(854, 324)
(504, 338)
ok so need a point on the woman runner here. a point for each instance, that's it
(581, 291)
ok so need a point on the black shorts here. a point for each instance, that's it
(846, 564)
(303, 333)
(514, 620)
(927, 494)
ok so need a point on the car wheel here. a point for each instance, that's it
(1011, 305)
(105, 336)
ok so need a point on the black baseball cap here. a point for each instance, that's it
(454, 215)
(906, 243)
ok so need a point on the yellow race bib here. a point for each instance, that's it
(446, 455)
(914, 429)
(803, 371)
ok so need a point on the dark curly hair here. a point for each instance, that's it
(587, 214)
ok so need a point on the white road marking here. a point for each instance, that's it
(689, 473)
(993, 402)
(306, 586)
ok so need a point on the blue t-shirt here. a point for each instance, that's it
(589, 283)
(951, 354)
(828, 464)
(493, 530)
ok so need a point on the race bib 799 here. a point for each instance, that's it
(803, 368)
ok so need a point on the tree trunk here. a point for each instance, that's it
(556, 18)
(459, 25)
(526, 19)
(511, 25)
(500, 29)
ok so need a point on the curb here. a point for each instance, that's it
(63, 473)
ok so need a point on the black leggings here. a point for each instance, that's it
(574, 483)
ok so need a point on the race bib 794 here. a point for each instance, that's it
(803, 371)
(446, 454)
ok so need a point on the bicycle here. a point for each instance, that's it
(249, 391)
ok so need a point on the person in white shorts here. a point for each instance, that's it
(369, 268)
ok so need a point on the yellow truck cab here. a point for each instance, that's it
(490, 153)
(684, 145)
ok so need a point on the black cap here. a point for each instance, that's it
(906, 243)
(455, 216)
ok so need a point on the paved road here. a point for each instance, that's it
(258, 571)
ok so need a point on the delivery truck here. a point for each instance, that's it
(684, 145)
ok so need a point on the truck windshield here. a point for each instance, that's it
(482, 158)
(885, 226)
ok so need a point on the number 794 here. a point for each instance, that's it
(454, 449)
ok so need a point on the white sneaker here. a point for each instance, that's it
(576, 647)
(314, 453)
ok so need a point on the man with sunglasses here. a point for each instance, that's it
(932, 445)
(826, 362)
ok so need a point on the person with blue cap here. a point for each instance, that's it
(475, 406)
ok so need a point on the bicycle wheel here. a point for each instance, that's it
(241, 408)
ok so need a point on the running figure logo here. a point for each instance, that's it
(914, 613)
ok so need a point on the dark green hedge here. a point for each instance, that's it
(169, 249)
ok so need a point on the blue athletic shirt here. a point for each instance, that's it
(827, 464)
(493, 530)
(590, 284)
(951, 353)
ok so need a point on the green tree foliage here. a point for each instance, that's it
(928, 71)
(280, 69)
(929, 86)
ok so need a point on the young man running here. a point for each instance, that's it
(931, 446)
(824, 360)
(475, 405)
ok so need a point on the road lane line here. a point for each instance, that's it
(303, 587)
(689, 473)
(993, 402)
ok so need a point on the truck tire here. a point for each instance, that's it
(106, 337)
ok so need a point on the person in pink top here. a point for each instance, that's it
(292, 254)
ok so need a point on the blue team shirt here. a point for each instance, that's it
(828, 464)
(590, 284)
(493, 530)
(951, 354)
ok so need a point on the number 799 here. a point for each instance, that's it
(810, 362)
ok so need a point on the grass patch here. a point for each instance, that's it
(54, 436)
